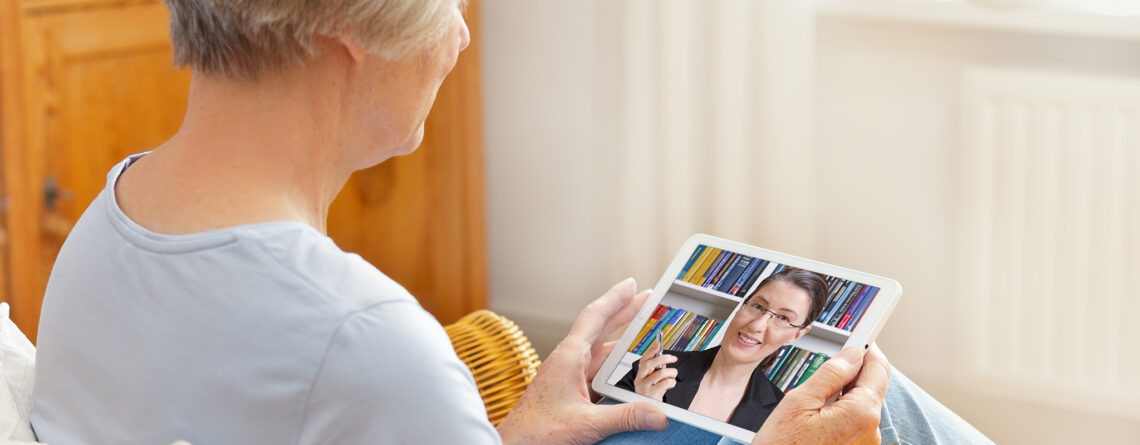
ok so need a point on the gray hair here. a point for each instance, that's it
(247, 39)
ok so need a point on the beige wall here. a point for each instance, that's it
(887, 106)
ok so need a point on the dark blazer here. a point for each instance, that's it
(759, 400)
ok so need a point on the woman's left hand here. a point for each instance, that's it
(558, 406)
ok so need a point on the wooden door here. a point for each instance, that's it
(84, 83)
(3, 236)
(97, 86)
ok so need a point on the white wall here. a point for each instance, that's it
(889, 109)
(550, 172)
(886, 127)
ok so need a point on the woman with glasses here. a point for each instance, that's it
(727, 382)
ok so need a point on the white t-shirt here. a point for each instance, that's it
(259, 334)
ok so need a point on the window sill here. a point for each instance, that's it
(959, 13)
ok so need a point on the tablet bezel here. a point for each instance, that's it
(874, 317)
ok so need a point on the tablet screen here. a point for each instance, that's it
(734, 332)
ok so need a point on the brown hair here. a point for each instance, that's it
(811, 282)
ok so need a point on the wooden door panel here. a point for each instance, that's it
(4, 202)
(93, 84)
(100, 86)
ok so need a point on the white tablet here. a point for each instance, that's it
(756, 322)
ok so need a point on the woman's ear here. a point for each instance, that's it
(799, 333)
(354, 49)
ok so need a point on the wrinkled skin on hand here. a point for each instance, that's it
(805, 417)
(558, 406)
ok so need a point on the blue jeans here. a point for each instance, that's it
(910, 416)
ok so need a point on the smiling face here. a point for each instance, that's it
(753, 334)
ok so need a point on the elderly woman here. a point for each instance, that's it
(727, 382)
(198, 297)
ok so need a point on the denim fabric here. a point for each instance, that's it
(909, 416)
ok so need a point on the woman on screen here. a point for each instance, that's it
(727, 382)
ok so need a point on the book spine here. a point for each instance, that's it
(648, 325)
(692, 258)
(678, 332)
(744, 275)
(698, 265)
(698, 334)
(842, 308)
(703, 273)
(854, 307)
(775, 363)
(687, 336)
(733, 274)
(866, 302)
(780, 365)
(675, 329)
(790, 367)
(716, 267)
(752, 279)
(711, 335)
(842, 295)
(834, 285)
(661, 322)
(815, 363)
(799, 371)
(725, 268)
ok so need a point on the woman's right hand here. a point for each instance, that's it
(653, 382)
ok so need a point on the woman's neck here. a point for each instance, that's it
(246, 153)
(724, 372)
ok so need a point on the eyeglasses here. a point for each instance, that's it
(776, 320)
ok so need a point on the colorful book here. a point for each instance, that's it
(692, 258)
(784, 358)
(711, 335)
(698, 265)
(863, 308)
(841, 309)
(675, 329)
(733, 274)
(699, 335)
(690, 330)
(799, 371)
(854, 306)
(715, 268)
(789, 367)
(827, 311)
(672, 316)
(648, 325)
(752, 279)
(724, 269)
(703, 272)
(815, 364)
(779, 354)
(740, 280)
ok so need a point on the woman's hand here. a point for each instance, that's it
(804, 416)
(558, 406)
(653, 378)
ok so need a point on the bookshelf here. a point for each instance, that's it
(713, 299)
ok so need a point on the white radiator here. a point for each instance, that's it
(1049, 282)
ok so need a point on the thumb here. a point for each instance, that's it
(832, 376)
(613, 419)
